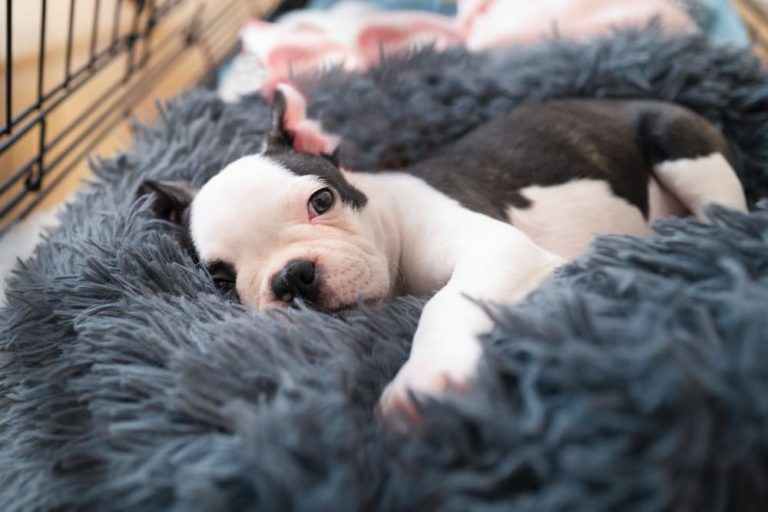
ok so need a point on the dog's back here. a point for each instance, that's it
(564, 171)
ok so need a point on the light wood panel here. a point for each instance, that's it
(755, 15)
(185, 71)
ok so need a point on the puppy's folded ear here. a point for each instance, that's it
(278, 138)
(290, 128)
(334, 156)
(171, 199)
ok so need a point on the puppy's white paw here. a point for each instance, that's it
(428, 376)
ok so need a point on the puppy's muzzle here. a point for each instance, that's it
(298, 280)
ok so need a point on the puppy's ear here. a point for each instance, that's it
(334, 156)
(171, 199)
(290, 128)
(278, 138)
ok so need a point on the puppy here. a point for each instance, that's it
(488, 218)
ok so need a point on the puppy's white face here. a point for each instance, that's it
(263, 213)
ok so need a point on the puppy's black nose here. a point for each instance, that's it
(297, 280)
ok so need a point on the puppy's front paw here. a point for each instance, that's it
(426, 376)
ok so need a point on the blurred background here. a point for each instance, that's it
(74, 72)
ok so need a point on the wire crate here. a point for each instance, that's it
(72, 71)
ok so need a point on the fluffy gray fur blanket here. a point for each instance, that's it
(636, 380)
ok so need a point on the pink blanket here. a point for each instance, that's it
(357, 36)
(493, 23)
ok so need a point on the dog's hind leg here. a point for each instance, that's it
(700, 181)
(691, 160)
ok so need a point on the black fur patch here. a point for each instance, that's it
(552, 143)
(278, 145)
(322, 166)
(669, 132)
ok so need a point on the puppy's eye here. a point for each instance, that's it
(320, 202)
(223, 276)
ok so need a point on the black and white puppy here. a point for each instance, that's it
(488, 217)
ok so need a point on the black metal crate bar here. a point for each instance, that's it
(210, 28)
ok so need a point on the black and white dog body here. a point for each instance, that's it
(488, 218)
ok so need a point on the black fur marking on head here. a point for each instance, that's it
(278, 145)
(322, 166)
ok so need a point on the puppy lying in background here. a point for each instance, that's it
(487, 218)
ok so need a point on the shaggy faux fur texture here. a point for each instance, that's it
(635, 380)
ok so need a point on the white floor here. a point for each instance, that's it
(20, 242)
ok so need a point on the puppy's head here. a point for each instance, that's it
(283, 226)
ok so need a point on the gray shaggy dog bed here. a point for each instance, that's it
(635, 380)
